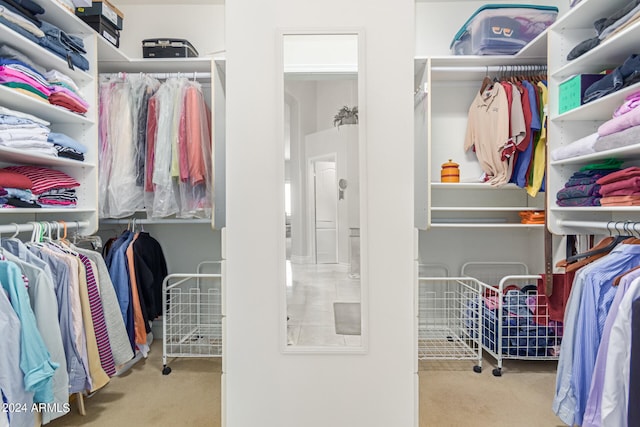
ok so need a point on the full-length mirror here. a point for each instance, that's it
(322, 192)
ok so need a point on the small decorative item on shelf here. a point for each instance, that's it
(346, 116)
(450, 172)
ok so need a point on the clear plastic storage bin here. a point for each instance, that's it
(502, 29)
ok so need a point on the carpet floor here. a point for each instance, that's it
(188, 396)
(451, 395)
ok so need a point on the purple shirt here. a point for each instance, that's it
(592, 416)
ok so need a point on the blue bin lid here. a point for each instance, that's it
(463, 29)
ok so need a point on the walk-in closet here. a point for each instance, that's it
(391, 213)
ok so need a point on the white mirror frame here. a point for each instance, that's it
(363, 174)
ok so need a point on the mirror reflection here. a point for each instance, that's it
(322, 200)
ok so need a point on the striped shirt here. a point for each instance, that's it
(99, 325)
(45, 179)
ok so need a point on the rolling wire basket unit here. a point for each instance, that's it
(192, 313)
(448, 324)
(515, 320)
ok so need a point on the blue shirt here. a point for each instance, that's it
(594, 306)
(11, 376)
(35, 361)
(564, 401)
(119, 272)
(519, 175)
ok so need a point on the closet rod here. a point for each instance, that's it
(197, 75)
(57, 225)
(610, 226)
(125, 221)
(491, 69)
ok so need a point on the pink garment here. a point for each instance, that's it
(152, 128)
(630, 103)
(620, 123)
(624, 187)
(10, 75)
(61, 89)
(620, 175)
(63, 100)
(183, 155)
(197, 130)
(620, 201)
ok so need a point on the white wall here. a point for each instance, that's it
(300, 95)
(331, 96)
(202, 25)
(262, 385)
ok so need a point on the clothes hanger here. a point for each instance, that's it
(486, 81)
(15, 234)
(603, 247)
(617, 279)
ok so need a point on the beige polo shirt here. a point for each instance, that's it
(488, 131)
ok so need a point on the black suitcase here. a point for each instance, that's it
(168, 48)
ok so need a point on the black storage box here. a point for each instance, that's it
(104, 27)
(103, 8)
(168, 48)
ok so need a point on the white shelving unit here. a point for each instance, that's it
(564, 35)
(210, 72)
(449, 85)
(82, 128)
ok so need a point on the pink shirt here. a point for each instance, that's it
(620, 123)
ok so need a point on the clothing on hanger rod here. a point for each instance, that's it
(195, 75)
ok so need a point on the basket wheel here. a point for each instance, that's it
(166, 370)
(477, 369)
(497, 372)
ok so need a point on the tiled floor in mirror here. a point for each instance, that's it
(312, 290)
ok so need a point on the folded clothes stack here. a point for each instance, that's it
(67, 147)
(622, 76)
(25, 132)
(622, 130)
(65, 93)
(621, 188)
(31, 134)
(608, 26)
(19, 76)
(22, 16)
(532, 217)
(50, 188)
(15, 190)
(19, 72)
(583, 187)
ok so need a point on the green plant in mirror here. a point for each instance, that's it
(346, 116)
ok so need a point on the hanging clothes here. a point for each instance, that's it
(504, 127)
(488, 130)
(137, 268)
(61, 331)
(593, 369)
(44, 304)
(11, 376)
(539, 162)
(35, 361)
(118, 339)
(155, 148)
